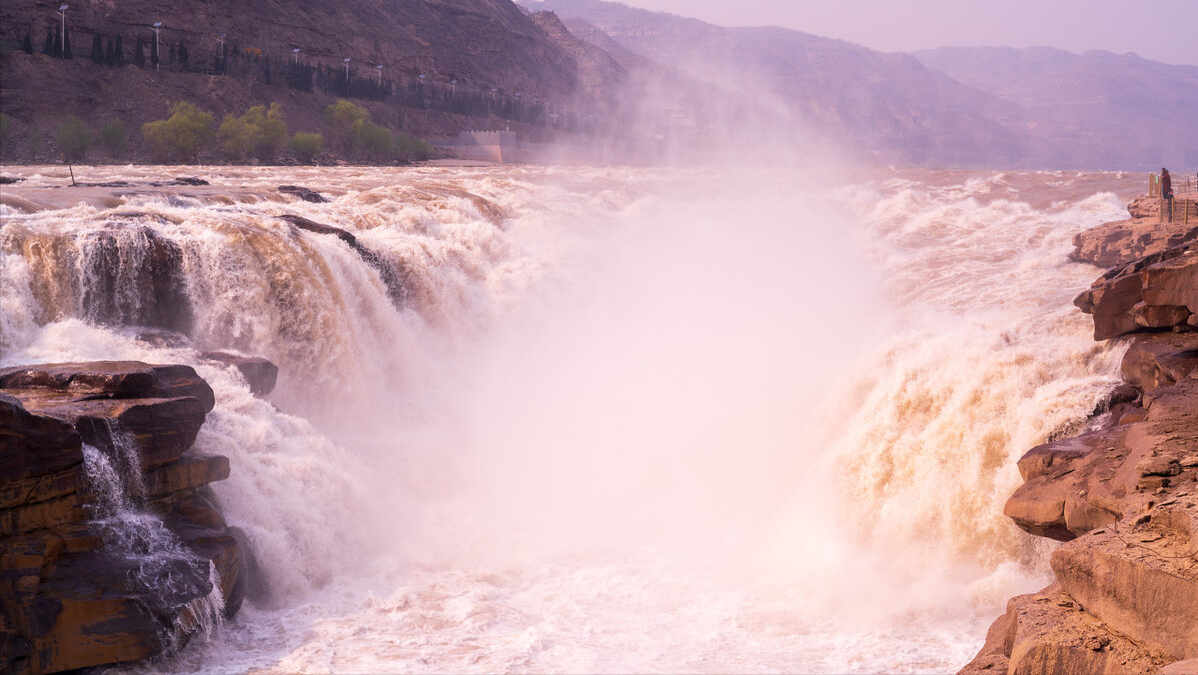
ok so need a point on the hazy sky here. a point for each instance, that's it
(1161, 30)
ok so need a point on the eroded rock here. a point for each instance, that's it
(71, 596)
(1159, 291)
(303, 193)
(1124, 499)
(258, 372)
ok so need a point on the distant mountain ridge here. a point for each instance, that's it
(1141, 108)
(945, 107)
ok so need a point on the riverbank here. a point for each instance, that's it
(1123, 496)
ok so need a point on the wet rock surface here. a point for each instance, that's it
(101, 501)
(392, 279)
(306, 194)
(1123, 498)
(1159, 291)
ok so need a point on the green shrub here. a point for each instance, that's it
(306, 146)
(341, 118)
(73, 138)
(408, 149)
(373, 141)
(113, 138)
(260, 132)
(180, 137)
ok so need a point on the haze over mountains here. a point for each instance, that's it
(969, 107)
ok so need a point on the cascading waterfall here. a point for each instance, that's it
(160, 566)
(621, 419)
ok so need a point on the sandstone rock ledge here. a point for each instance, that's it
(1123, 497)
(95, 570)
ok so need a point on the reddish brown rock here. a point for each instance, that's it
(110, 379)
(1141, 575)
(69, 596)
(1125, 499)
(1048, 633)
(1124, 241)
(1159, 291)
(258, 372)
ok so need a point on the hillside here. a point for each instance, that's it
(446, 65)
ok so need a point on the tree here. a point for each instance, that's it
(306, 146)
(154, 53)
(97, 54)
(110, 53)
(27, 44)
(66, 44)
(139, 54)
(57, 53)
(120, 51)
(373, 141)
(112, 137)
(181, 136)
(183, 58)
(48, 50)
(341, 118)
(73, 138)
(260, 132)
(409, 149)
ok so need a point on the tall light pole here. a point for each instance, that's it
(346, 62)
(62, 11)
(157, 46)
(295, 55)
(379, 70)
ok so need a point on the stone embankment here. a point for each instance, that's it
(111, 547)
(1123, 497)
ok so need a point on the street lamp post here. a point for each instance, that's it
(62, 11)
(157, 46)
(295, 55)
(346, 62)
(379, 70)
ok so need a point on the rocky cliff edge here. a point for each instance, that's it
(1123, 497)
(111, 547)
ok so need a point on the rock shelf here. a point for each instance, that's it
(1123, 497)
(71, 595)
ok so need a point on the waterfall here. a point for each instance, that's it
(618, 419)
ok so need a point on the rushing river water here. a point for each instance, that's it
(614, 420)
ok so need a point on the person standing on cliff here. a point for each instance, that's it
(1167, 191)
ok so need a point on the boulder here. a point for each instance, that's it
(303, 193)
(259, 373)
(1145, 207)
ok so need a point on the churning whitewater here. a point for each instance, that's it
(609, 419)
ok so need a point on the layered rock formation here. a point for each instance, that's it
(1123, 497)
(111, 548)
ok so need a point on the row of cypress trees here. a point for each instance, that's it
(58, 45)
(297, 76)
